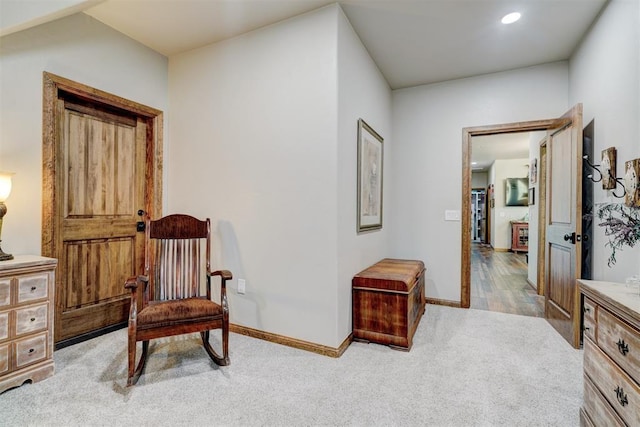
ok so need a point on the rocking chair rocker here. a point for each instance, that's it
(172, 302)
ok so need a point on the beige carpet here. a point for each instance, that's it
(466, 368)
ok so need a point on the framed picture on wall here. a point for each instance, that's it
(632, 182)
(533, 171)
(370, 161)
(608, 168)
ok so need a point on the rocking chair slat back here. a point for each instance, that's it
(177, 263)
(178, 271)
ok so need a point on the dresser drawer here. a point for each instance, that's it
(4, 358)
(589, 309)
(32, 287)
(599, 411)
(31, 319)
(31, 350)
(620, 342)
(615, 385)
(4, 326)
(5, 292)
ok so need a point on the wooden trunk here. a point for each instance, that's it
(388, 302)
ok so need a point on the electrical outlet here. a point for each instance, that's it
(242, 285)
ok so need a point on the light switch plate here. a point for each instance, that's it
(451, 215)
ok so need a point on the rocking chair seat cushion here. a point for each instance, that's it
(167, 313)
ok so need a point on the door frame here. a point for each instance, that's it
(465, 226)
(54, 87)
(541, 277)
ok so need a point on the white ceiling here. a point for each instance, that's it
(413, 41)
(487, 148)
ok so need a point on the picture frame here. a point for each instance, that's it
(632, 183)
(370, 183)
(532, 196)
(533, 171)
(608, 168)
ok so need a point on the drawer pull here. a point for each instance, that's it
(33, 319)
(31, 350)
(33, 288)
(586, 310)
(622, 398)
(623, 347)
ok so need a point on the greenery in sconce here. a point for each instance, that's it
(621, 225)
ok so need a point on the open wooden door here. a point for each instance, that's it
(101, 168)
(563, 225)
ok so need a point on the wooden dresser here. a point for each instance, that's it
(388, 301)
(26, 320)
(519, 236)
(611, 324)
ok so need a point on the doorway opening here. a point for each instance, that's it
(468, 135)
(502, 277)
(478, 215)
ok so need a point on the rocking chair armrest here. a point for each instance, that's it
(135, 281)
(224, 274)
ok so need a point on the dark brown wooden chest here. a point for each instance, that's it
(388, 302)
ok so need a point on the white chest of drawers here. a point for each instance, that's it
(611, 322)
(26, 320)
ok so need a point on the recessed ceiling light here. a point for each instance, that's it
(474, 163)
(511, 18)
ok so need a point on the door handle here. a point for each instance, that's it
(573, 238)
(140, 225)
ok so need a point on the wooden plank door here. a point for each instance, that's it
(563, 225)
(101, 163)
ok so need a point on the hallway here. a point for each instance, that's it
(499, 283)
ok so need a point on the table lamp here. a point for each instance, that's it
(5, 190)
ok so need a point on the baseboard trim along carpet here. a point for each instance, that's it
(293, 342)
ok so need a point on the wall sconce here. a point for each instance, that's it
(5, 190)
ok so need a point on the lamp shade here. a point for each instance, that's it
(5, 185)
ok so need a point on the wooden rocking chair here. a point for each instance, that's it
(172, 302)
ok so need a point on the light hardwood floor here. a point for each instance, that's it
(499, 283)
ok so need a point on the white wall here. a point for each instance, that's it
(362, 93)
(17, 15)
(78, 48)
(253, 145)
(604, 75)
(502, 214)
(479, 180)
(427, 159)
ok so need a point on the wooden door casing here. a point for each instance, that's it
(467, 136)
(102, 163)
(542, 216)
